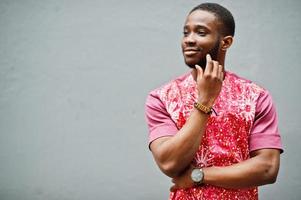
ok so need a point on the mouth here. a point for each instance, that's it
(191, 51)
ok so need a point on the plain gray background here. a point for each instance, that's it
(73, 81)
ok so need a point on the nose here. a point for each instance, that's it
(190, 39)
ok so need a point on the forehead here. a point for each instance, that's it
(202, 18)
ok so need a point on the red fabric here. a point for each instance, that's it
(246, 121)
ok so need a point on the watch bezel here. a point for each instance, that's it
(197, 175)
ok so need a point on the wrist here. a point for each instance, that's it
(197, 176)
(202, 108)
(206, 102)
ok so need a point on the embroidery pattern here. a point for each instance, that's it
(225, 140)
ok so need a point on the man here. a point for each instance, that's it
(214, 133)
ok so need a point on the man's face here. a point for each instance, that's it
(201, 36)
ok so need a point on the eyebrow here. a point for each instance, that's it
(198, 26)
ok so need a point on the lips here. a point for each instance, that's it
(191, 51)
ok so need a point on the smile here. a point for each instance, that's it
(190, 52)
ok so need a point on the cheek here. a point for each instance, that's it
(206, 45)
(204, 42)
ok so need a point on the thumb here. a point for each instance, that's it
(199, 71)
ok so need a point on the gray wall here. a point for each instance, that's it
(73, 81)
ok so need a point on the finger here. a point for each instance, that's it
(199, 71)
(222, 75)
(209, 64)
(223, 68)
(208, 57)
(215, 68)
(220, 72)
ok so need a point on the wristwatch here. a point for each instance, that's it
(197, 176)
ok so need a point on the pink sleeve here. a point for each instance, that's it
(158, 120)
(265, 133)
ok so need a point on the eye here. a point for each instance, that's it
(185, 33)
(202, 33)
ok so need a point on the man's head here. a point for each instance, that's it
(209, 28)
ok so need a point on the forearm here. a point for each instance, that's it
(256, 171)
(174, 154)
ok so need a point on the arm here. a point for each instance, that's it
(265, 148)
(174, 154)
(262, 168)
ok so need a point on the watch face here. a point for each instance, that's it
(197, 175)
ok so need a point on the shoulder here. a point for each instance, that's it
(171, 86)
(245, 85)
(252, 92)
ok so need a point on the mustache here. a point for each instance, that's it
(193, 49)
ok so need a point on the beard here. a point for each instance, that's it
(213, 53)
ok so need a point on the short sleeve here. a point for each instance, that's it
(158, 120)
(265, 133)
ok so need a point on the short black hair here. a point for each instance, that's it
(222, 14)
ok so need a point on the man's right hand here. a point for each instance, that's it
(209, 82)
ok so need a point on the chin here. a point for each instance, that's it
(190, 62)
(192, 66)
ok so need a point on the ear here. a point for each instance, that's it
(226, 42)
